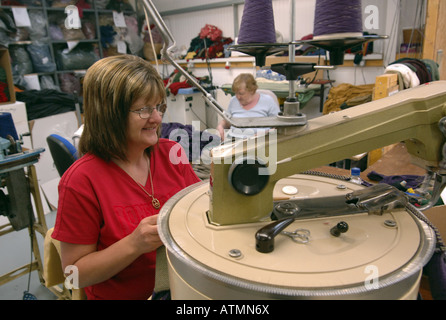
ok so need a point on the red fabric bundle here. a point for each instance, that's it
(211, 32)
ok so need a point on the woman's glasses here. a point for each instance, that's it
(146, 112)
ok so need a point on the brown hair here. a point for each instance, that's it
(247, 79)
(111, 86)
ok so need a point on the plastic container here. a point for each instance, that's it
(355, 175)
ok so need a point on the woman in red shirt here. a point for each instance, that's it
(110, 198)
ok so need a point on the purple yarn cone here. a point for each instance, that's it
(257, 24)
(337, 17)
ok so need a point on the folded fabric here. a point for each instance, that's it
(356, 101)
(174, 87)
(412, 181)
(342, 93)
(432, 66)
(45, 103)
(417, 66)
(410, 78)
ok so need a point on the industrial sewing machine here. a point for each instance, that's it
(260, 229)
(17, 204)
(18, 181)
(229, 239)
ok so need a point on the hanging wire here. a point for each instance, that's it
(413, 28)
(388, 54)
(417, 25)
(208, 63)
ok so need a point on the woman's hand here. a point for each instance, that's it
(221, 128)
(145, 237)
(97, 266)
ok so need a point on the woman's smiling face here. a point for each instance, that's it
(143, 132)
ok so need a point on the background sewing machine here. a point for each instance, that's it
(18, 183)
(412, 116)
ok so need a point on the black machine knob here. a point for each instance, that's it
(245, 178)
(341, 227)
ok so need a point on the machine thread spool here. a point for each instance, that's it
(257, 24)
(337, 18)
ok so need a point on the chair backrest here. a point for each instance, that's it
(271, 94)
(63, 152)
(53, 274)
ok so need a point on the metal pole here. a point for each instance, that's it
(291, 49)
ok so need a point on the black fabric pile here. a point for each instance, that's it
(45, 103)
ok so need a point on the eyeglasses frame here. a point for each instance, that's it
(158, 108)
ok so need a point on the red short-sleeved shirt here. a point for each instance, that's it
(100, 203)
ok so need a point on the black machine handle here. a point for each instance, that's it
(265, 236)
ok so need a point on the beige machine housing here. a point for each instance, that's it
(209, 229)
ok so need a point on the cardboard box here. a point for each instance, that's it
(5, 64)
(385, 86)
(386, 80)
(413, 35)
(380, 92)
(437, 215)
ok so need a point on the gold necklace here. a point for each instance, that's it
(155, 201)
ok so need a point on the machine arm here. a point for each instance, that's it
(412, 115)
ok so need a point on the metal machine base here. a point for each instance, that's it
(379, 257)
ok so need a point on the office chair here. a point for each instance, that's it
(63, 152)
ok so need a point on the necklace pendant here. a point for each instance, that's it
(156, 203)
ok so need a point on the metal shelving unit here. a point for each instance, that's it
(57, 46)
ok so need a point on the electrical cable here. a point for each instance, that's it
(208, 63)
(198, 117)
(26, 294)
(388, 56)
